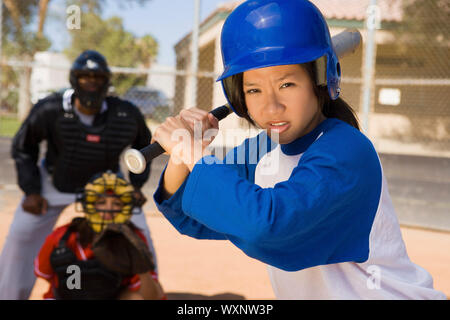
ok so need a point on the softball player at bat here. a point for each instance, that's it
(311, 201)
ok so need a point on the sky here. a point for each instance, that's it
(166, 20)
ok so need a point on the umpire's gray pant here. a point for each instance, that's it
(27, 234)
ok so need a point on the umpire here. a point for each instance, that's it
(85, 133)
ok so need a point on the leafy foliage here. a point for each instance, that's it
(120, 47)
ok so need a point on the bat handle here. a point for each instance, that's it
(136, 160)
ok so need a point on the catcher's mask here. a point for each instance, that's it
(107, 198)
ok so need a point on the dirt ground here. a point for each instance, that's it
(195, 269)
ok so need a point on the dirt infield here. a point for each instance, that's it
(194, 269)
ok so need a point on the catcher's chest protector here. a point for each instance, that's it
(96, 282)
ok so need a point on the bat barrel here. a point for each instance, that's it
(346, 42)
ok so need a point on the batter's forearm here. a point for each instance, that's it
(174, 176)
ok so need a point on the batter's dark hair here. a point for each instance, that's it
(330, 108)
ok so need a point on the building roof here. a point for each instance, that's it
(342, 10)
(390, 10)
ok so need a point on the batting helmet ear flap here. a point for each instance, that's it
(333, 77)
(328, 73)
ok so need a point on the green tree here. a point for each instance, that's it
(21, 42)
(120, 47)
(96, 6)
(22, 38)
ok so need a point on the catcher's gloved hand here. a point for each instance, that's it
(139, 197)
(121, 250)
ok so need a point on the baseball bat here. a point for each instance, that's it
(344, 43)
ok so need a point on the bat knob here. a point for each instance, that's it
(135, 161)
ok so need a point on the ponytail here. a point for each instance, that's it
(338, 108)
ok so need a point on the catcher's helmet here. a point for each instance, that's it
(266, 33)
(107, 184)
(90, 62)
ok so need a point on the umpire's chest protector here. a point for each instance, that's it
(87, 150)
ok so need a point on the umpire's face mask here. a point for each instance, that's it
(91, 82)
(91, 90)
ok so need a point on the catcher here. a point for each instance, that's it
(108, 251)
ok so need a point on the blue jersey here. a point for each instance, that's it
(316, 211)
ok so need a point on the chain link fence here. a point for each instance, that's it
(409, 111)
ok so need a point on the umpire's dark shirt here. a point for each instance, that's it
(45, 121)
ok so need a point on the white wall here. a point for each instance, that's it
(162, 78)
(51, 72)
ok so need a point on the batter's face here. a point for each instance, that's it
(281, 100)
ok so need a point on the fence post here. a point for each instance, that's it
(1, 50)
(194, 53)
(372, 23)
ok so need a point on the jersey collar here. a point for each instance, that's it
(301, 144)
